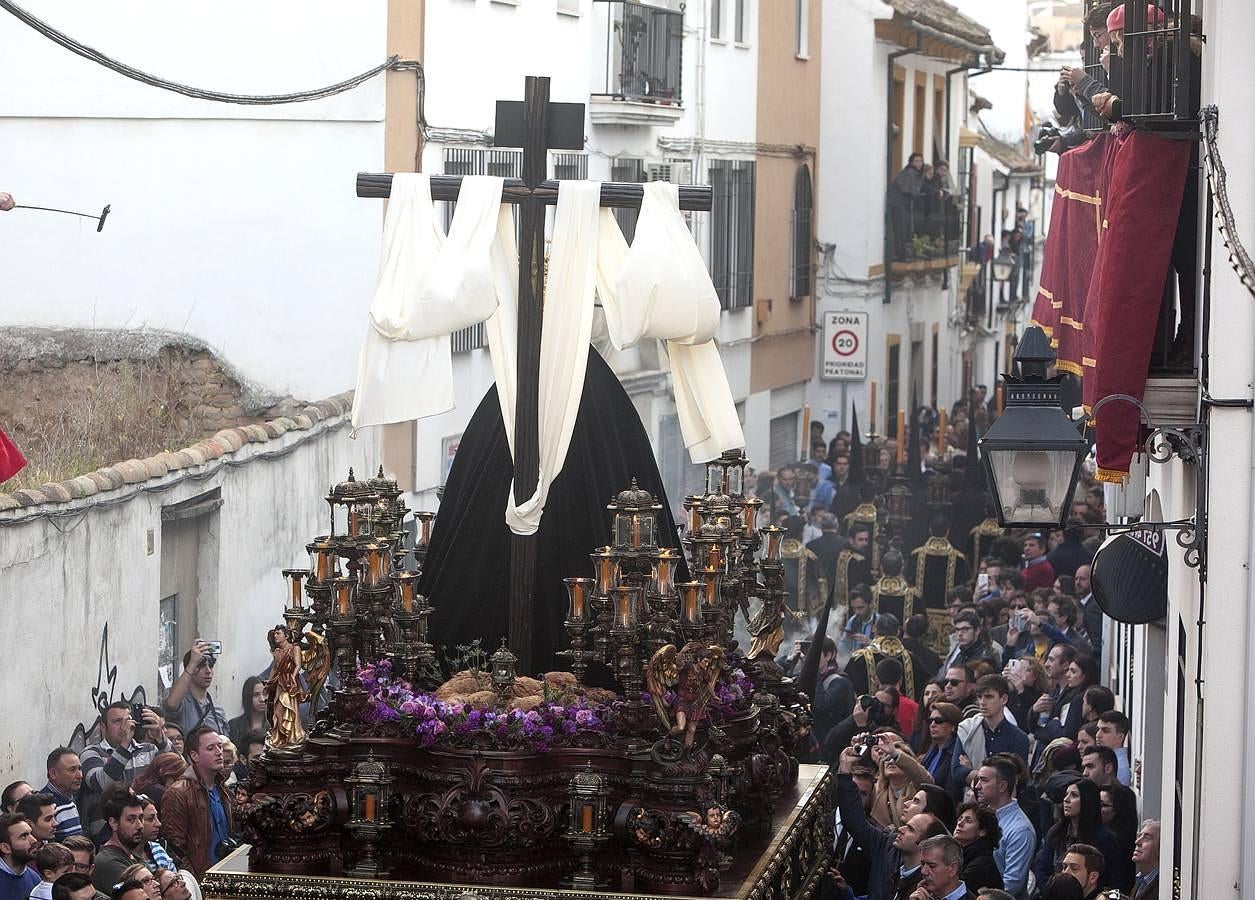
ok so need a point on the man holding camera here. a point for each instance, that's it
(119, 758)
(189, 704)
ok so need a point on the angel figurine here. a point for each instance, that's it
(692, 673)
(283, 690)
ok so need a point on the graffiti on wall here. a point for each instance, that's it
(103, 692)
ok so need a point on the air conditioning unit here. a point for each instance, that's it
(676, 171)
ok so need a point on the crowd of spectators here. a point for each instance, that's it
(143, 813)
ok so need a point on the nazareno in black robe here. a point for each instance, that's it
(466, 575)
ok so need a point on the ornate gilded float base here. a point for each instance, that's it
(783, 862)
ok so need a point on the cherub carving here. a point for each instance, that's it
(692, 673)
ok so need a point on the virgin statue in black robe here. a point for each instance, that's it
(467, 570)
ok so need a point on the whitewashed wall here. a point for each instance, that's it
(63, 581)
(237, 224)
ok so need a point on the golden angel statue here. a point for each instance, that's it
(283, 690)
(692, 673)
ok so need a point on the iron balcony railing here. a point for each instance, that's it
(644, 46)
(1158, 74)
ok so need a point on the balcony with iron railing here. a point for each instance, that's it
(644, 54)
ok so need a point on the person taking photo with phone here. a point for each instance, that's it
(119, 759)
(189, 704)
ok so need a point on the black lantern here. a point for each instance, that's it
(1003, 265)
(503, 668)
(1033, 452)
(635, 516)
(586, 829)
(370, 789)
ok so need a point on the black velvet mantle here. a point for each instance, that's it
(466, 576)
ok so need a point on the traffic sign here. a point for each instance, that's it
(845, 346)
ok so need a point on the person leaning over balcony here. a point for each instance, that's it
(903, 196)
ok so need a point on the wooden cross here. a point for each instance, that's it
(537, 126)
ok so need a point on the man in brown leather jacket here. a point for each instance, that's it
(196, 810)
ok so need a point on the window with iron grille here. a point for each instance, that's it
(570, 166)
(801, 235)
(716, 19)
(627, 170)
(732, 231)
(474, 161)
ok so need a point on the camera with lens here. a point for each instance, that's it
(866, 743)
(1045, 139)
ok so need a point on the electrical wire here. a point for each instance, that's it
(1217, 179)
(90, 53)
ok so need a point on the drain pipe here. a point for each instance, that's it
(889, 173)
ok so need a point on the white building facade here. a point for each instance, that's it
(926, 344)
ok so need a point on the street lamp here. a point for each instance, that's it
(1003, 265)
(1033, 452)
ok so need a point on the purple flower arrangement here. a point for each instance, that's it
(393, 704)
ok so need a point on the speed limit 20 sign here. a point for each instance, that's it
(845, 346)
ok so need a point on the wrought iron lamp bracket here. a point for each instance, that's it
(1188, 443)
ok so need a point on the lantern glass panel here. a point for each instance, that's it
(622, 529)
(1031, 486)
(339, 519)
(714, 478)
(736, 480)
(646, 524)
(364, 519)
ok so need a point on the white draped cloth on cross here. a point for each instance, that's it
(432, 284)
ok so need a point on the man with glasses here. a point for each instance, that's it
(189, 703)
(173, 885)
(969, 647)
(958, 689)
(117, 760)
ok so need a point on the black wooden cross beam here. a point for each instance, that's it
(537, 126)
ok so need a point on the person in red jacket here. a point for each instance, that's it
(1037, 570)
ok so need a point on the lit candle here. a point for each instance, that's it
(998, 394)
(343, 598)
(711, 578)
(873, 409)
(586, 818)
(695, 516)
(712, 557)
(424, 521)
(662, 572)
(352, 521)
(604, 561)
(577, 594)
(296, 590)
(691, 603)
(901, 436)
(941, 432)
(749, 513)
(625, 607)
(407, 593)
(775, 537)
(324, 562)
(370, 810)
(636, 535)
